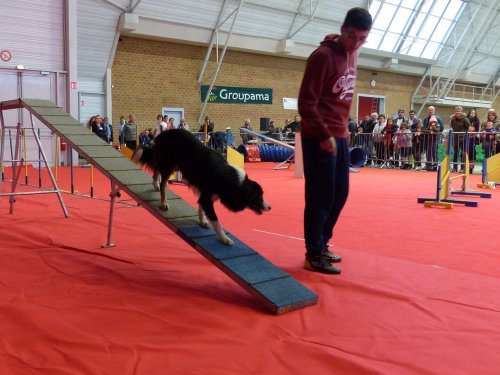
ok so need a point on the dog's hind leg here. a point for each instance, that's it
(164, 173)
(163, 195)
(156, 176)
(202, 218)
(208, 207)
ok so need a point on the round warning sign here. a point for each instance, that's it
(5, 55)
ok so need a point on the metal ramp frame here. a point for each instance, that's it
(274, 288)
(18, 161)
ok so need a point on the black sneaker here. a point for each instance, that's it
(320, 264)
(331, 257)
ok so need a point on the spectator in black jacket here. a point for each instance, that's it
(98, 128)
(413, 120)
(108, 130)
(294, 126)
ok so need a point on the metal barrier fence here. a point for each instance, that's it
(422, 151)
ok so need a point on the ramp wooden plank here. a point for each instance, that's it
(194, 229)
(39, 103)
(152, 196)
(253, 269)
(49, 111)
(131, 177)
(104, 151)
(176, 208)
(146, 192)
(211, 246)
(117, 164)
(63, 120)
(189, 222)
(67, 129)
(284, 295)
(85, 139)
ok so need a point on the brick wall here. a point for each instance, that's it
(149, 75)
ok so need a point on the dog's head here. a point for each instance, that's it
(254, 197)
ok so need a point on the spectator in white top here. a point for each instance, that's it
(160, 126)
(401, 118)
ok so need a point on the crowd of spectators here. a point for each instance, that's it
(128, 131)
(401, 141)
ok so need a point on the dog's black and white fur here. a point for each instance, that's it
(207, 172)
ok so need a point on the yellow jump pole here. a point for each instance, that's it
(25, 158)
(136, 136)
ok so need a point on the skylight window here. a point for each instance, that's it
(413, 27)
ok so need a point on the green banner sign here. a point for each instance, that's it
(239, 95)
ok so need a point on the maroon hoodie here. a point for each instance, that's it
(327, 90)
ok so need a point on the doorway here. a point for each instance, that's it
(367, 104)
(176, 113)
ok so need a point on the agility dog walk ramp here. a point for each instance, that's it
(274, 288)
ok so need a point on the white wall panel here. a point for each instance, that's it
(91, 104)
(33, 31)
(97, 23)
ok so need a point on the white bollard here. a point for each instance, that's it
(299, 163)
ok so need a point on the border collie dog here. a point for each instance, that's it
(208, 174)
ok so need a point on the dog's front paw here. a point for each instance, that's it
(226, 240)
(164, 206)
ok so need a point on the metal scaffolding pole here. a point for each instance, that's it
(433, 89)
(213, 41)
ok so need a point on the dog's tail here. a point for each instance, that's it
(144, 157)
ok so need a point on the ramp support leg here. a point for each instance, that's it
(15, 166)
(115, 192)
(49, 170)
(283, 164)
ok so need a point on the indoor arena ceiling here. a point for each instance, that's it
(404, 37)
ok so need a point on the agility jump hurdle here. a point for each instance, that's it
(271, 286)
(491, 172)
(443, 183)
(465, 190)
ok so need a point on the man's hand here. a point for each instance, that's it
(329, 145)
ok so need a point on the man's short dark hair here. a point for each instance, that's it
(358, 18)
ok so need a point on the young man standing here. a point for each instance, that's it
(325, 100)
(460, 125)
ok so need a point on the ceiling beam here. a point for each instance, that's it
(312, 13)
(110, 2)
(133, 7)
